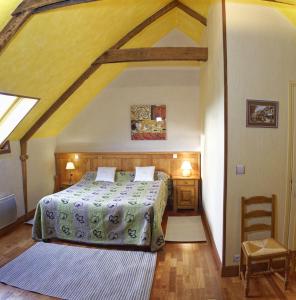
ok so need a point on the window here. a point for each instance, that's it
(12, 111)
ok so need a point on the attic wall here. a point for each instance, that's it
(11, 176)
(105, 124)
(41, 169)
(261, 62)
(40, 172)
(212, 95)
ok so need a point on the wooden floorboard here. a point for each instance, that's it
(184, 271)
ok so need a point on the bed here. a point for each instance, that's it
(120, 213)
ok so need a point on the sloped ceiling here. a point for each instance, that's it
(55, 47)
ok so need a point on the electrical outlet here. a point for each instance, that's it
(175, 155)
(236, 258)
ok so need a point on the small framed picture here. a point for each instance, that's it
(261, 113)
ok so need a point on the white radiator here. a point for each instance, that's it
(8, 213)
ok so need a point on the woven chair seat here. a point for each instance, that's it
(263, 247)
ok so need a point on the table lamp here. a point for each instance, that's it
(70, 166)
(186, 168)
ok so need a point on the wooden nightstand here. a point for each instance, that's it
(185, 192)
(65, 185)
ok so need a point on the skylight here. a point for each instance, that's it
(12, 110)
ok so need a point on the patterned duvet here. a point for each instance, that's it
(120, 213)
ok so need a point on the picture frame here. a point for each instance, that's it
(148, 122)
(262, 113)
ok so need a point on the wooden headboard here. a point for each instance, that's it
(127, 161)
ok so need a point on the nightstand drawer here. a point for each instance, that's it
(185, 182)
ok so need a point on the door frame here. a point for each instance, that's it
(290, 221)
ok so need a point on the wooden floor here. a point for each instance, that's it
(184, 271)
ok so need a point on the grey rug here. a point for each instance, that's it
(70, 272)
(185, 229)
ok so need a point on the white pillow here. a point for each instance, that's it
(106, 174)
(144, 174)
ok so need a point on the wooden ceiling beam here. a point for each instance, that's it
(30, 5)
(42, 5)
(192, 13)
(12, 28)
(153, 54)
(60, 4)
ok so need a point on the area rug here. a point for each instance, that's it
(185, 229)
(70, 272)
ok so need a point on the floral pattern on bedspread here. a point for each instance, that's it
(123, 212)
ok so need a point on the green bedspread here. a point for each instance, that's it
(120, 213)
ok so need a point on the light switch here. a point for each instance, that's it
(175, 155)
(240, 170)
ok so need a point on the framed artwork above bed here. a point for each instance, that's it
(148, 122)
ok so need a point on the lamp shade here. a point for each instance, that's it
(186, 168)
(70, 165)
(186, 165)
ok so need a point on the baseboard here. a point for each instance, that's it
(211, 240)
(19, 221)
(230, 271)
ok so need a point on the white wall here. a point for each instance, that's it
(261, 61)
(41, 169)
(104, 125)
(11, 176)
(176, 38)
(212, 93)
(40, 172)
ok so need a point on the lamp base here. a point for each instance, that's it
(70, 178)
(186, 173)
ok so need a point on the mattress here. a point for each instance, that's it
(120, 213)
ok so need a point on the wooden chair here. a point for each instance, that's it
(260, 250)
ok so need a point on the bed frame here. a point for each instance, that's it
(123, 161)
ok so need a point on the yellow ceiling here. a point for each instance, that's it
(54, 48)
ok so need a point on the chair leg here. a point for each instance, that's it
(241, 264)
(287, 270)
(269, 264)
(247, 277)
